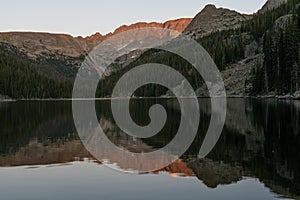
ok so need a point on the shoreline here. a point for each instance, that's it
(291, 98)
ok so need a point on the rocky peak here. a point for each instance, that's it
(95, 39)
(96, 36)
(209, 8)
(212, 19)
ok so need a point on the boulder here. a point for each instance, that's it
(297, 95)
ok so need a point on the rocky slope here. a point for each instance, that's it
(45, 44)
(236, 76)
(212, 19)
(271, 4)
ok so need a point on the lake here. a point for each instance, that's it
(256, 157)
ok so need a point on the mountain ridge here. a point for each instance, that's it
(36, 44)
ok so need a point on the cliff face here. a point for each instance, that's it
(177, 25)
(212, 19)
(52, 45)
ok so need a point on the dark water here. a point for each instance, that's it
(256, 157)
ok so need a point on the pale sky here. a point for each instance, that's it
(84, 18)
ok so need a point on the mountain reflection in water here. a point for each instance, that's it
(261, 139)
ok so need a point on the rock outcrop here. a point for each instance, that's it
(282, 22)
(297, 95)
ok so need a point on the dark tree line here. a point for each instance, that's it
(225, 47)
(19, 79)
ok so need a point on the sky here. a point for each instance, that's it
(83, 18)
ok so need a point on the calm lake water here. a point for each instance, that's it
(256, 157)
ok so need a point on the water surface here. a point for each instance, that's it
(256, 157)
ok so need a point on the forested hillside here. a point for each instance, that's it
(280, 73)
(277, 33)
(19, 79)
